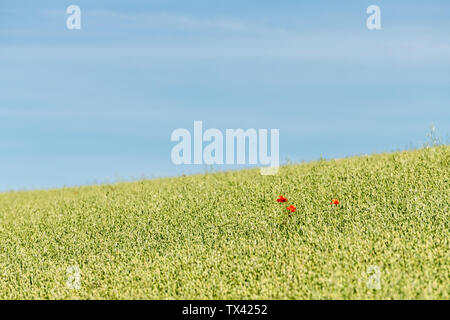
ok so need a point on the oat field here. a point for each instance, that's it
(225, 236)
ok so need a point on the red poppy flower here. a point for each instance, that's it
(335, 201)
(291, 208)
(281, 199)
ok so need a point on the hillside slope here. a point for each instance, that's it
(225, 236)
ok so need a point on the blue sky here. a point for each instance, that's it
(99, 104)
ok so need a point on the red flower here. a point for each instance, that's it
(335, 201)
(291, 208)
(281, 199)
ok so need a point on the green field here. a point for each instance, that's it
(224, 235)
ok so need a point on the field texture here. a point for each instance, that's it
(225, 236)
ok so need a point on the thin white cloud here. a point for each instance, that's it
(113, 33)
(102, 18)
(319, 46)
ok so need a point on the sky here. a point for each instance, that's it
(99, 104)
